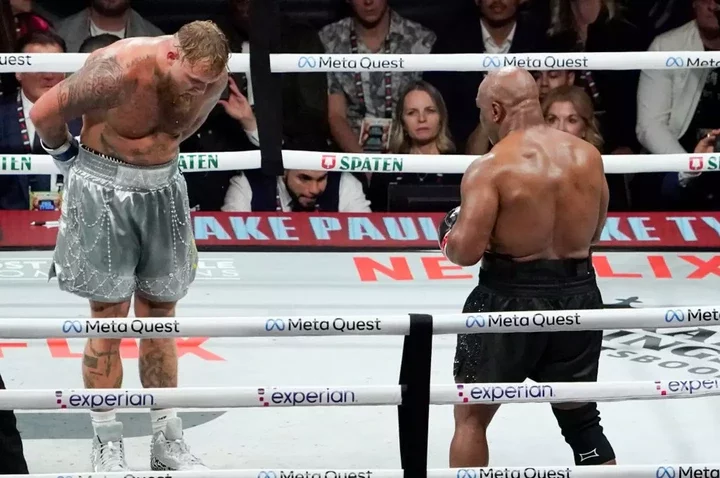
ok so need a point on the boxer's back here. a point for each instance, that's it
(550, 187)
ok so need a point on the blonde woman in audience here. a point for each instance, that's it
(570, 109)
(420, 127)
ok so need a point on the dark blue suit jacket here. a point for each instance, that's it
(15, 190)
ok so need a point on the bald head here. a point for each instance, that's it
(508, 86)
(506, 96)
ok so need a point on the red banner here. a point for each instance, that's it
(27, 229)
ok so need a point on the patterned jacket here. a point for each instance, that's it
(405, 37)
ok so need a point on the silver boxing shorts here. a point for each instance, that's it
(124, 229)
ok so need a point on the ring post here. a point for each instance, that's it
(414, 413)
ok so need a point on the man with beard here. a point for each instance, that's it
(296, 191)
(114, 17)
(125, 228)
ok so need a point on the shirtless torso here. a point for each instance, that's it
(551, 191)
(540, 193)
(131, 107)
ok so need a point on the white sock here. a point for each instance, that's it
(102, 418)
(158, 418)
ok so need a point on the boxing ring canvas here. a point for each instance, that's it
(245, 284)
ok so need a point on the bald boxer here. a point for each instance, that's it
(531, 210)
(125, 228)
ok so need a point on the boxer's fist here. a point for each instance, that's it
(446, 226)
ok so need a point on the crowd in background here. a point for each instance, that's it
(620, 112)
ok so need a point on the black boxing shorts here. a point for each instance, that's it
(506, 285)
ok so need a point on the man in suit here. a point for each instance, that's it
(501, 28)
(114, 17)
(17, 133)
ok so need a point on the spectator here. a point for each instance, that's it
(17, 133)
(27, 19)
(305, 118)
(677, 108)
(596, 26)
(95, 43)
(570, 109)
(296, 191)
(29, 16)
(421, 127)
(363, 102)
(114, 17)
(551, 79)
(500, 30)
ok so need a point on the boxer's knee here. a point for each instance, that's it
(474, 417)
(145, 307)
(582, 431)
(107, 310)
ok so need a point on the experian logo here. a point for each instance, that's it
(294, 398)
(108, 400)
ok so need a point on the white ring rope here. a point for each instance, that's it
(443, 324)
(313, 63)
(353, 395)
(704, 470)
(14, 164)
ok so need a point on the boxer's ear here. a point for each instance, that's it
(173, 56)
(497, 112)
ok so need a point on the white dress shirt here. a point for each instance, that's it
(239, 195)
(27, 106)
(252, 135)
(489, 42)
(95, 31)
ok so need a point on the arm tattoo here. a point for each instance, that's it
(100, 84)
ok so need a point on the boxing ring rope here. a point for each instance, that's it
(354, 396)
(378, 395)
(314, 63)
(443, 324)
(16, 164)
(620, 471)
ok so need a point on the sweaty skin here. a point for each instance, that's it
(131, 109)
(540, 193)
(134, 111)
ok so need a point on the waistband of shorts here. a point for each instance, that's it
(122, 174)
(504, 268)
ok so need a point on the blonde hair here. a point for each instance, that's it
(204, 42)
(583, 106)
(400, 141)
(563, 20)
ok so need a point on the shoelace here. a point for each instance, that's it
(110, 455)
(179, 448)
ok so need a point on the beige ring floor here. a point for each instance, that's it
(264, 284)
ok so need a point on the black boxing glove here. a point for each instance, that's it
(446, 226)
